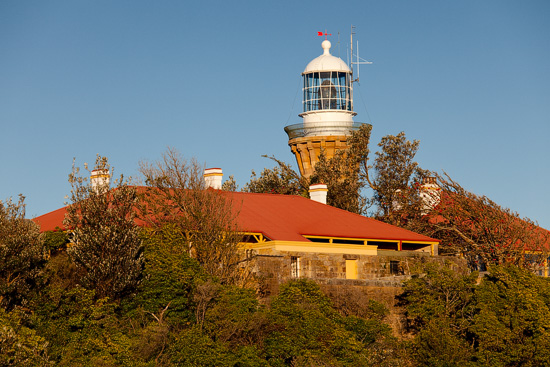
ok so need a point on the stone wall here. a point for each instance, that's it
(379, 278)
(387, 265)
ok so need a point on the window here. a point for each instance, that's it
(394, 267)
(294, 266)
(328, 96)
(538, 263)
(327, 91)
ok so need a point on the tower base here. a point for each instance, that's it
(307, 150)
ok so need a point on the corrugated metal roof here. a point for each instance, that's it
(289, 218)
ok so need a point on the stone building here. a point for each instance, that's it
(286, 236)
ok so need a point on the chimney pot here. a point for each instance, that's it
(213, 178)
(100, 178)
(318, 192)
(430, 193)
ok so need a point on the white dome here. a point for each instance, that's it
(326, 62)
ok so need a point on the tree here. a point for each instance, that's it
(479, 229)
(106, 245)
(511, 326)
(170, 276)
(308, 331)
(55, 240)
(22, 254)
(19, 345)
(281, 179)
(235, 318)
(176, 194)
(456, 319)
(230, 184)
(471, 225)
(349, 172)
(439, 307)
(193, 348)
(340, 173)
(393, 170)
(81, 329)
(440, 292)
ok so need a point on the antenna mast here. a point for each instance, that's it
(351, 51)
(338, 43)
(359, 59)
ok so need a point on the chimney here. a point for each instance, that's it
(430, 193)
(318, 192)
(396, 203)
(100, 178)
(213, 178)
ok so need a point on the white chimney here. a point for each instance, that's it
(213, 178)
(318, 192)
(396, 203)
(100, 178)
(430, 193)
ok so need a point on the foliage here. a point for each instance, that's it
(170, 277)
(511, 326)
(345, 173)
(439, 307)
(393, 169)
(193, 348)
(440, 292)
(366, 319)
(55, 240)
(82, 330)
(177, 195)
(502, 321)
(438, 343)
(479, 229)
(230, 328)
(470, 225)
(235, 318)
(230, 184)
(467, 224)
(281, 179)
(21, 254)
(308, 331)
(369, 327)
(348, 172)
(340, 173)
(300, 295)
(106, 246)
(180, 314)
(19, 345)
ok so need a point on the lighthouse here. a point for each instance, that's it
(327, 114)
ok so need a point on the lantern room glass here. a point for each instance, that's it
(327, 90)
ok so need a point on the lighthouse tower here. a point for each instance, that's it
(327, 111)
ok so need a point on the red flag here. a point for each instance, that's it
(320, 34)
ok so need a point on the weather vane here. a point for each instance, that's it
(324, 34)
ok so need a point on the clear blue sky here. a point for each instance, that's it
(218, 80)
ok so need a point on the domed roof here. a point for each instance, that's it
(326, 62)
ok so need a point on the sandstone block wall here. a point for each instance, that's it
(387, 270)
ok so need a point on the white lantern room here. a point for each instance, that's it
(327, 95)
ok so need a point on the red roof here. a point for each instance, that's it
(52, 220)
(289, 218)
